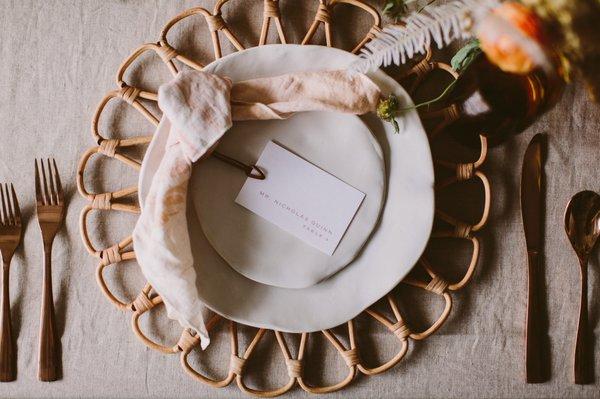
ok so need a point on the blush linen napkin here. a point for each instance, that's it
(200, 108)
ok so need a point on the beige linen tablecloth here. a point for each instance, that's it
(58, 58)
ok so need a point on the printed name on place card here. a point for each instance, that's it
(301, 198)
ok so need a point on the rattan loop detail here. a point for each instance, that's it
(351, 357)
(422, 68)
(142, 303)
(215, 320)
(215, 22)
(111, 255)
(102, 201)
(376, 20)
(271, 9)
(248, 353)
(348, 354)
(465, 171)
(166, 52)
(462, 230)
(121, 305)
(374, 32)
(129, 94)
(187, 341)
(437, 285)
(323, 14)
(400, 330)
(237, 364)
(294, 367)
(108, 147)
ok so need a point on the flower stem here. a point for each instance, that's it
(429, 102)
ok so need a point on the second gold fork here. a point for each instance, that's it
(50, 213)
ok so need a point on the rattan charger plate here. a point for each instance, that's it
(448, 226)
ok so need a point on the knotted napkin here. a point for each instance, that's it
(200, 108)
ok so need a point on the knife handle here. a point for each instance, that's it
(534, 334)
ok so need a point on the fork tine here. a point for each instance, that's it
(47, 199)
(9, 206)
(51, 186)
(16, 208)
(38, 188)
(4, 214)
(59, 189)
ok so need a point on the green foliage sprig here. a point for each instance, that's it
(389, 108)
(396, 9)
(465, 56)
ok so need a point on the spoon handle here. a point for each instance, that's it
(582, 364)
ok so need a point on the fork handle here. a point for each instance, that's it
(48, 366)
(7, 356)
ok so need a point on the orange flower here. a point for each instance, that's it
(512, 37)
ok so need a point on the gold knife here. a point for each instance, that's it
(532, 210)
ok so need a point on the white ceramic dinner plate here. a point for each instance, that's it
(396, 242)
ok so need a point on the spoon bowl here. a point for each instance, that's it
(582, 224)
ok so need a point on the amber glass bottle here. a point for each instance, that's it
(499, 104)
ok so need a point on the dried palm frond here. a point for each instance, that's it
(437, 24)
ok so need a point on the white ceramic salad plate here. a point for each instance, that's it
(380, 252)
(338, 143)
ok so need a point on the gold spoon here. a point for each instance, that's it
(582, 224)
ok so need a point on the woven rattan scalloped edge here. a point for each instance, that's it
(147, 300)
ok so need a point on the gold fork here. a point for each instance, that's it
(10, 237)
(50, 213)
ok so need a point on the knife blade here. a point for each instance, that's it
(532, 212)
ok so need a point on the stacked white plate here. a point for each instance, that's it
(251, 271)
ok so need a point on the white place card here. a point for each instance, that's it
(301, 198)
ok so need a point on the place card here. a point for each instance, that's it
(301, 198)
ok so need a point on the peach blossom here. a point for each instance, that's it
(512, 36)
